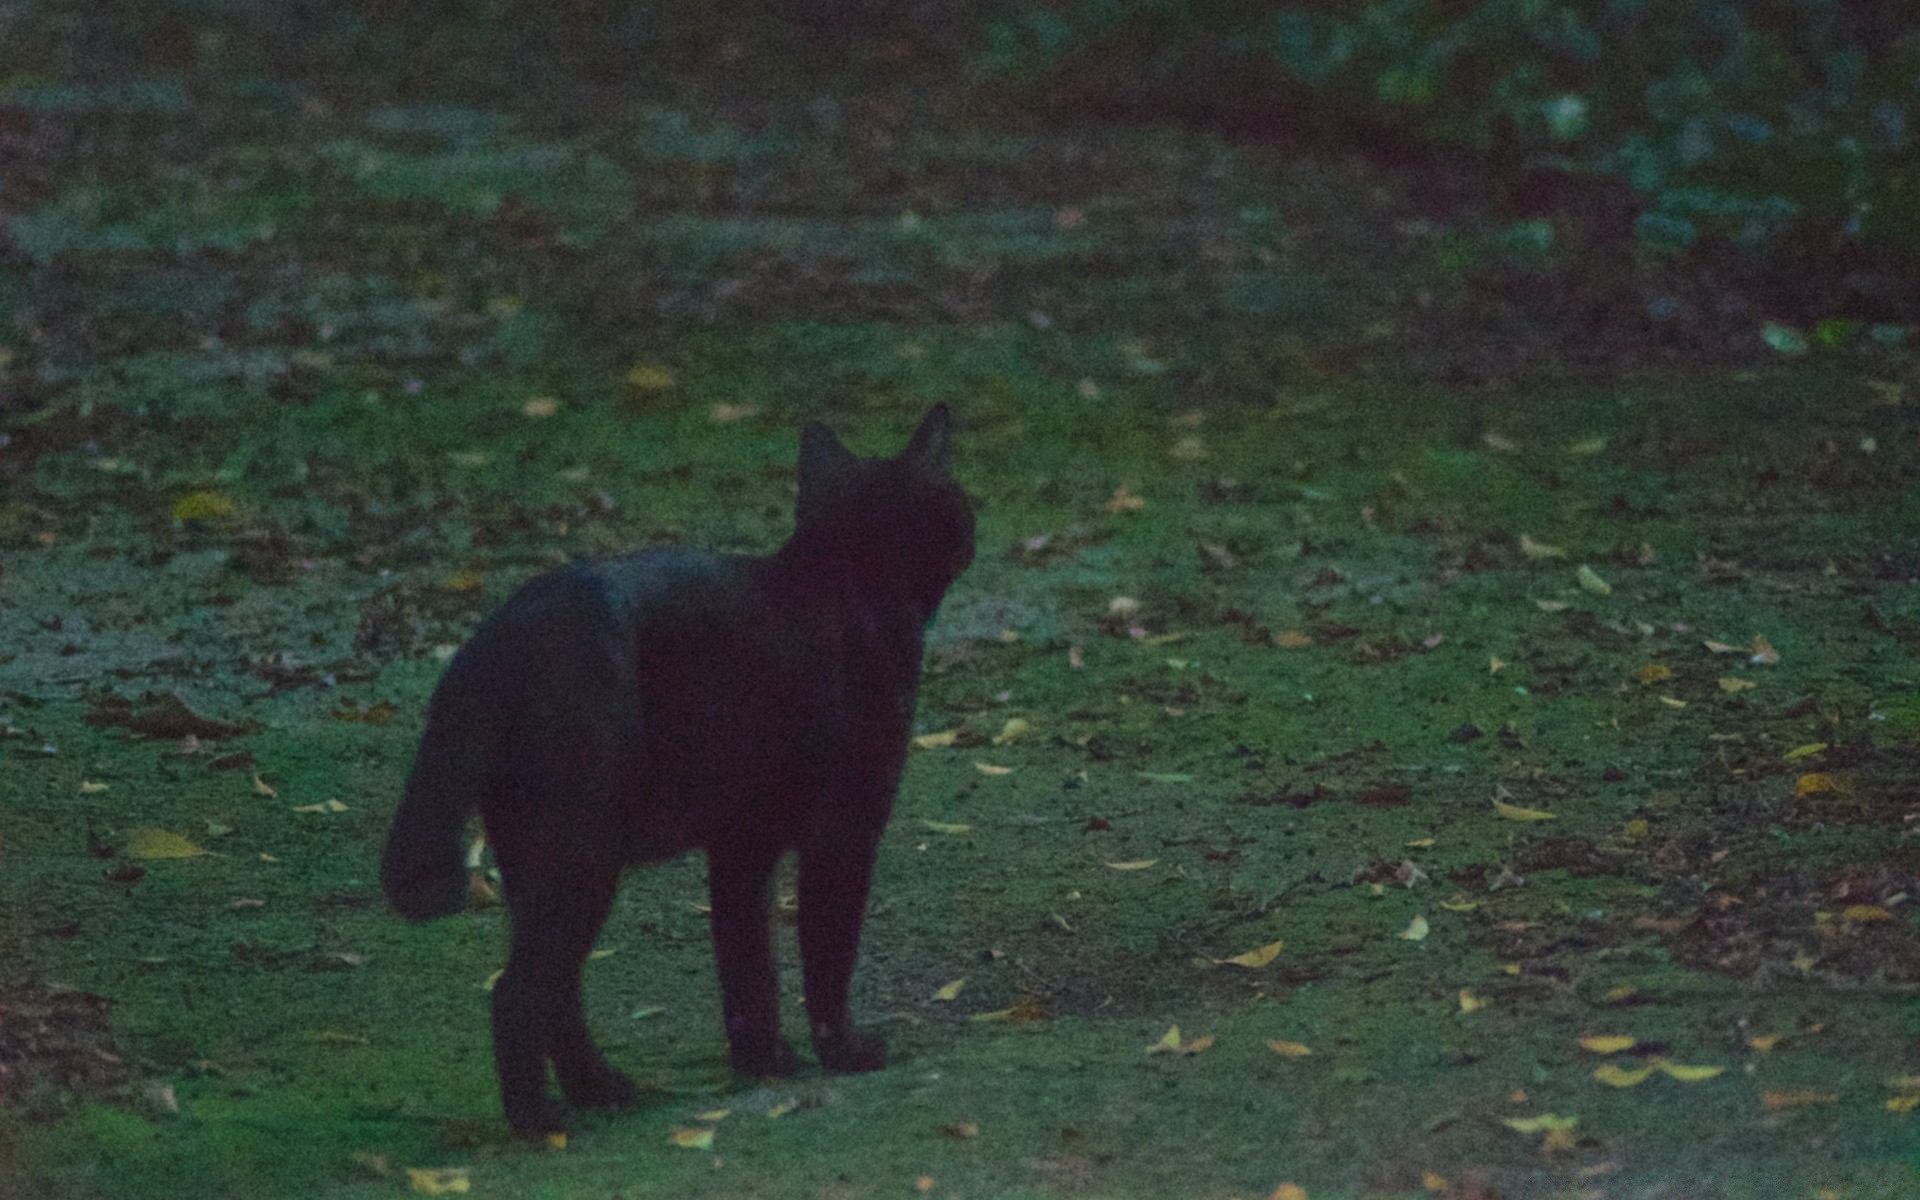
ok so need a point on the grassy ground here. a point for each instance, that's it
(1517, 711)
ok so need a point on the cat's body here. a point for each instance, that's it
(627, 710)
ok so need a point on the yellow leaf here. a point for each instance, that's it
(438, 1181)
(1591, 581)
(1170, 1043)
(1470, 1002)
(557, 1140)
(783, 1108)
(1615, 1075)
(1138, 864)
(202, 506)
(325, 806)
(692, 1139)
(1459, 904)
(1862, 914)
(1288, 1191)
(1552, 605)
(1544, 1123)
(540, 406)
(89, 788)
(492, 979)
(159, 843)
(951, 990)
(1673, 702)
(1637, 828)
(1015, 728)
(262, 788)
(929, 741)
(713, 1114)
(1254, 958)
(1286, 1049)
(1026, 1008)
(1589, 445)
(990, 769)
(1415, 931)
(1495, 665)
(1685, 1074)
(1514, 812)
(650, 377)
(1125, 501)
(1291, 639)
(1611, 1043)
(945, 827)
(1762, 651)
(1764, 1042)
(1729, 684)
(1800, 752)
(1539, 550)
(1814, 782)
(1655, 672)
(1903, 1104)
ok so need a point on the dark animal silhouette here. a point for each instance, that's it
(627, 710)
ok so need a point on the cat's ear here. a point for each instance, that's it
(823, 459)
(931, 449)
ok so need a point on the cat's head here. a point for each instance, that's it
(899, 517)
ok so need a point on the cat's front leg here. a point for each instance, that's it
(836, 867)
(739, 877)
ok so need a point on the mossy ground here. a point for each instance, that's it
(306, 375)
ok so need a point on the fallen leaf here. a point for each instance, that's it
(438, 1181)
(1800, 752)
(990, 769)
(713, 1114)
(147, 842)
(1286, 1049)
(1163, 777)
(202, 506)
(1814, 783)
(1513, 812)
(540, 406)
(1291, 639)
(783, 1108)
(1470, 1002)
(1125, 501)
(1608, 1043)
(89, 788)
(1863, 914)
(1254, 958)
(692, 1139)
(961, 1130)
(1762, 652)
(1544, 1123)
(1673, 702)
(1539, 550)
(1014, 729)
(1552, 606)
(650, 377)
(1288, 1191)
(1591, 581)
(1615, 1075)
(325, 806)
(930, 741)
(1655, 672)
(557, 1140)
(1415, 931)
(262, 788)
(728, 414)
(945, 827)
(1170, 1043)
(951, 990)
(1027, 1008)
(1736, 685)
(1138, 864)
(1764, 1042)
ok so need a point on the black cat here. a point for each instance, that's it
(627, 710)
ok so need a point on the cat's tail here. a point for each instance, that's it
(423, 870)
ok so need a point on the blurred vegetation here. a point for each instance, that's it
(1760, 129)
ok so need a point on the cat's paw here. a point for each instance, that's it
(533, 1120)
(604, 1088)
(775, 1059)
(850, 1053)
